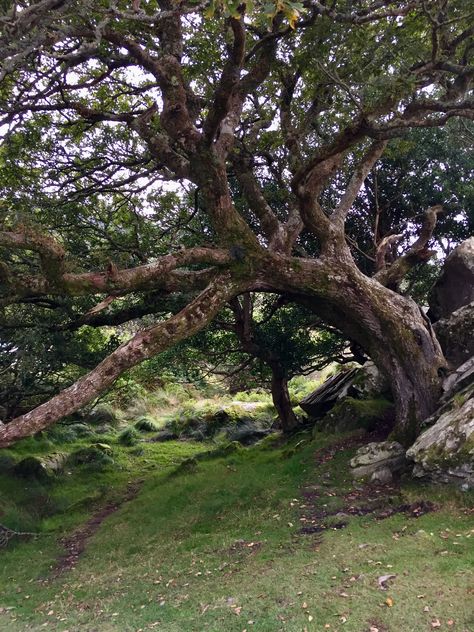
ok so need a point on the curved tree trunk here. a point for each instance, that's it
(391, 328)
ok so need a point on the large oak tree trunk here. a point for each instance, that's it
(391, 328)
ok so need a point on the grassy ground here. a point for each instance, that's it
(218, 547)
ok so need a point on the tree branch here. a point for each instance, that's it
(357, 180)
(143, 345)
(417, 253)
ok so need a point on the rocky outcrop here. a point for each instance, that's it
(455, 335)
(444, 452)
(364, 383)
(369, 382)
(325, 396)
(354, 414)
(455, 287)
(379, 461)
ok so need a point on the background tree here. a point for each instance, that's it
(126, 100)
(259, 340)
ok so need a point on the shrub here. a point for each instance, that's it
(102, 414)
(129, 436)
(145, 424)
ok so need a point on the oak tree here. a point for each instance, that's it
(111, 108)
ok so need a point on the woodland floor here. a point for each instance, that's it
(272, 537)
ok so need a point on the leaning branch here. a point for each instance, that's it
(113, 281)
(145, 344)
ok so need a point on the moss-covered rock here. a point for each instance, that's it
(103, 414)
(445, 451)
(188, 466)
(353, 414)
(82, 430)
(42, 467)
(96, 456)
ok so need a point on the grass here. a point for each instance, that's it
(218, 548)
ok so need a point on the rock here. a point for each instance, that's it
(458, 380)
(246, 432)
(164, 435)
(455, 335)
(90, 455)
(101, 415)
(81, 430)
(455, 287)
(377, 456)
(445, 451)
(364, 382)
(353, 414)
(369, 381)
(103, 447)
(325, 396)
(40, 467)
(382, 476)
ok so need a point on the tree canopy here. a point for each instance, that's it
(166, 157)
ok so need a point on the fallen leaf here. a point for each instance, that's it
(389, 602)
(436, 623)
(310, 618)
(373, 629)
(304, 605)
(426, 609)
(450, 622)
(383, 579)
(237, 610)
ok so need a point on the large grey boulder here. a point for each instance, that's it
(378, 461)
(369, 381)
(462, 377)
(455, 287)
(444, 452)
(455, 335)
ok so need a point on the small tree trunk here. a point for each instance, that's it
(282, 403)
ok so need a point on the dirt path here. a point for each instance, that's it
(75, 544)
(363, 499)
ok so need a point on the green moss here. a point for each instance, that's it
(351, 414)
